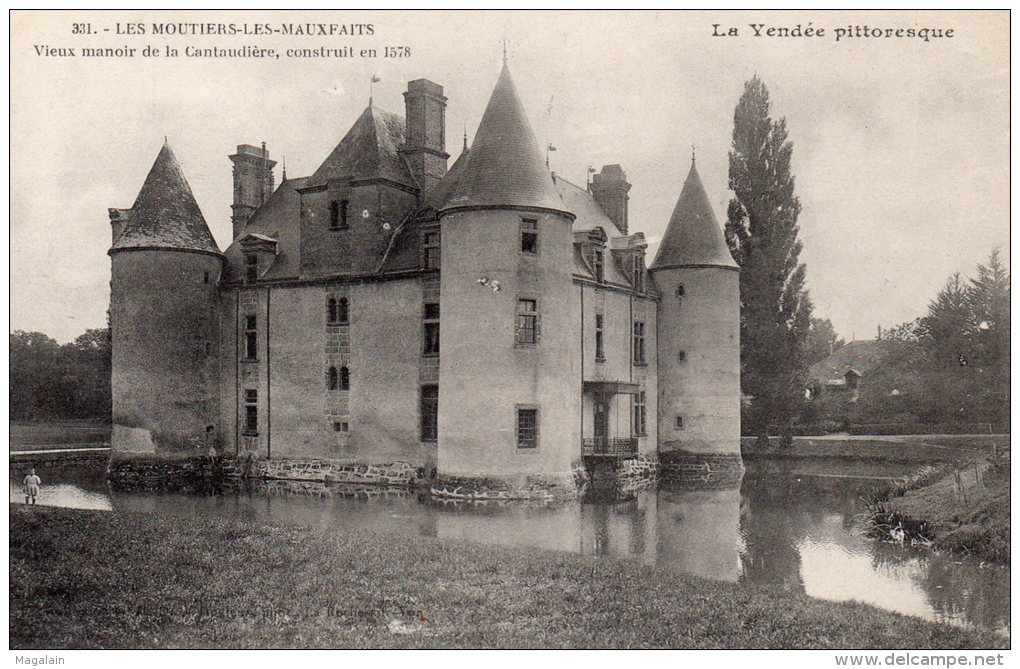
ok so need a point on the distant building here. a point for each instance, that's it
(491, 321)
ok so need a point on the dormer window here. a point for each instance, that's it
(639, 273)
(600, 262)
(338, 215)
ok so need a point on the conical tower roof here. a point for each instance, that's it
(693, 236)
(369, 150)
(165, 214)
(505, 166)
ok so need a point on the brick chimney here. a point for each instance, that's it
(609, 188)
(425, 138)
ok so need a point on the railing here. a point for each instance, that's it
(609, 447)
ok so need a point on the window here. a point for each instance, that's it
(679, 422)
(527, 428)
(527, 321)
(431, 250)
(251, 268)
(600, 274)
(343, 311)
(429, 413)
(639, 343)
(681, 356)
(345, 378)
(251, 338)
(640, 415)
(529, 235)
(251, 411)
(338, 215)
(639, 273)
(600, 348)
(208, 348)
(430, 331)
(332, 379)
(331, 312)
(341, 426)
(205, 277)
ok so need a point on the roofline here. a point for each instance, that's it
(215, 254)
(353, 182)
(510, 207)
(734, 267)
(336, 279)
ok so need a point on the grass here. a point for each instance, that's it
(899, 448)
(58, 434)
(84, 579)
(965, 510)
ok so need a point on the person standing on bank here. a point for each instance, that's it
(31, 485)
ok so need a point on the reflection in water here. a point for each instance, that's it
(793, 524)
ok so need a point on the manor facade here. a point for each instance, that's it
(487, 320)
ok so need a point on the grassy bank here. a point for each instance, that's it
(95, 579)
(58, 434)
(965, 510)
(919, 449)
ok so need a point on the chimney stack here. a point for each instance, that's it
(609, 188)
(425, 137)
(253, 183)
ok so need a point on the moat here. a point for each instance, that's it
(792, 525)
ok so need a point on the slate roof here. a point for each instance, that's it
(693, 236)
(278, 218)
(165, 214)
(582, 204)
(369, 150)
(505, 166)
(444, 189)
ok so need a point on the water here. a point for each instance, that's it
(792, 524)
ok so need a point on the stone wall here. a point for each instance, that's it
(162, 474)
(702, 470)
(534, 487)
(394, 473)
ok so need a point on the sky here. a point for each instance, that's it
(901, 146)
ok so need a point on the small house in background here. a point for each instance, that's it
(847, 367)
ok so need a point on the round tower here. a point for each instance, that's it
(507, 411)
(165, 270)
(698, 339)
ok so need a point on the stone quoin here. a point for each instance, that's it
(488, 329)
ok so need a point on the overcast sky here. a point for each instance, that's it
(901, 147)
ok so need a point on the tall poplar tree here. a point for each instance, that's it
(761, 230)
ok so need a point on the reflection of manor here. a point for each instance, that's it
(491, 320)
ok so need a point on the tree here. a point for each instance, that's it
(49, 380)
(822, 341)
(761, 231)
(988, 304)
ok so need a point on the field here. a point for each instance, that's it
(83, 579)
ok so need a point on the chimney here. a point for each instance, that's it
(609, 188)
(253, 183)
(425, 138)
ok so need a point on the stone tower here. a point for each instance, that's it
(165, 270)
(609, 188)
(253, 183)
(699, 337)
(510, 334)
(425, 138)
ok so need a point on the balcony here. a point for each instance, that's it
(609, 447)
